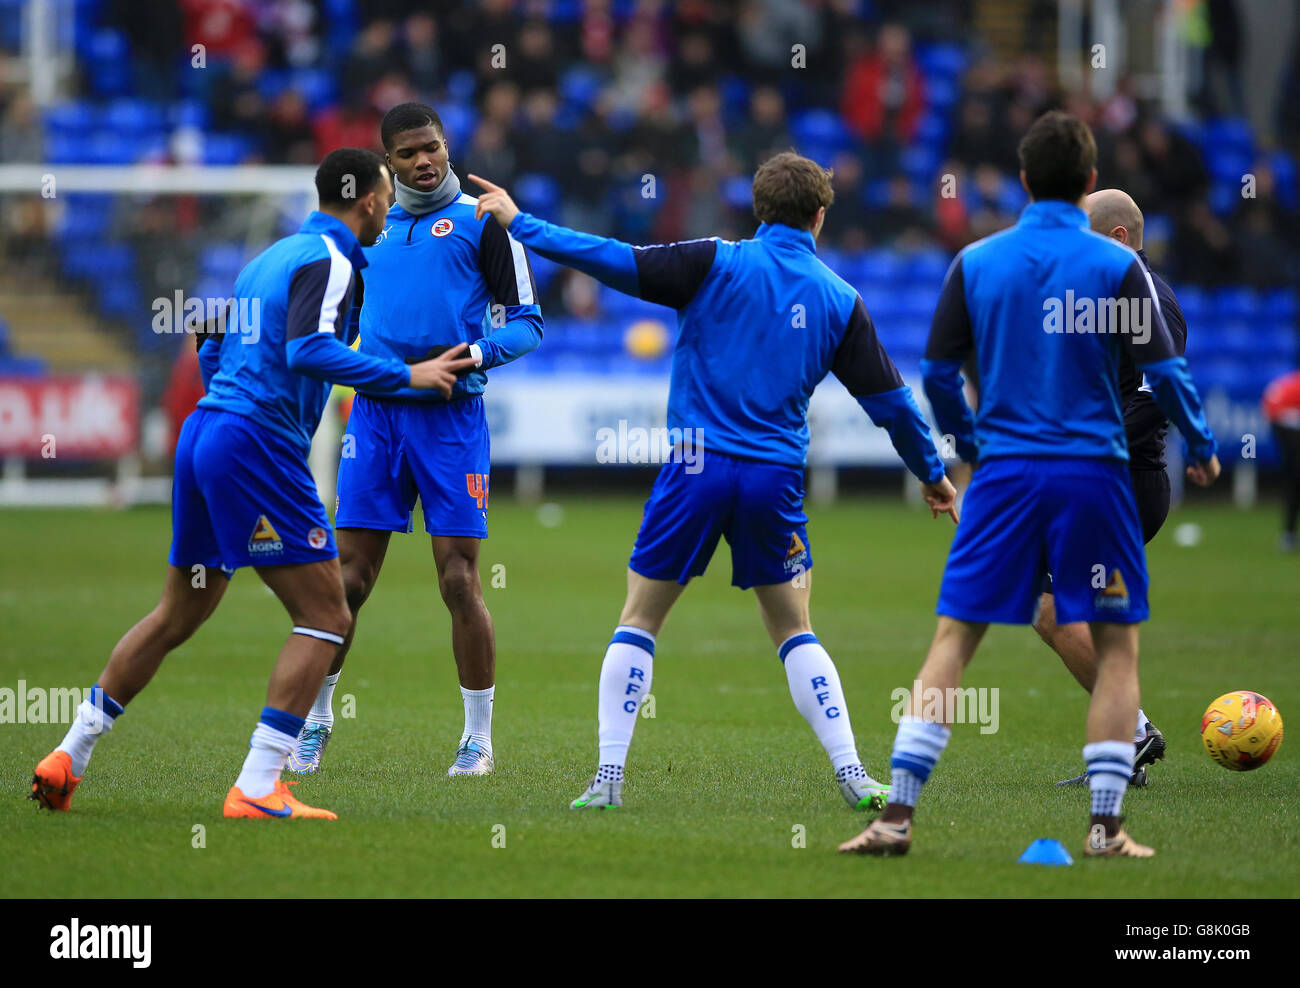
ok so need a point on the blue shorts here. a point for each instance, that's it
(1024, 519)
(757, 506)
(396, 451)
(243, 496)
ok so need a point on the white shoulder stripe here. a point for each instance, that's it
(340, 275)
(523, 283)
(466, 197)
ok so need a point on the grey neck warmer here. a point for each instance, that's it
(419, 203)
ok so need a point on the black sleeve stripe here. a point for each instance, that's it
(671, 274)
(504, 266)
(1135, 288)
(951, 335)
(861, 361)
(1175, 321)
(320, 295)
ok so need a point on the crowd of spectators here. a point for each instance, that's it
(694, 93)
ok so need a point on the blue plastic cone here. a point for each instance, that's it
(1046, 851)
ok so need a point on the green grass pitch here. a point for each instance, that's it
(721, 781)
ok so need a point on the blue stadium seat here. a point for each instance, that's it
(1279, 304)
(1232, 376)
(738, 192)
(222, 260)
(272, 82)
(917, 303)
(1231, 133)
(110, 54)
(1195, 304)
(1228, 164)
(458, 122)
(1279, 341)
(318, 87)
(1285, 179)
(880, 267)
(132, 117)
(87, 216)
(73, 118)
(461, 86)
(941, 93)
(189, 113)
(735, 92)
(823, 154)
(16, 365)
(121, 300)
(927, 266)
(538, 194)
(933, 131)
(1224, 197)
(1236, 302)
(920, 162)
(821, 127)
(941, 59)
(580, 86)
(108, 147)
(225, 149)
(1238, 338)
(63, 149)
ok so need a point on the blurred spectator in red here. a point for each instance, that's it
(883, 97)
(1282, 409)
(221, 26)
(350, 125)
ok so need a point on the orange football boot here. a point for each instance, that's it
(279, 803)
(53, 782)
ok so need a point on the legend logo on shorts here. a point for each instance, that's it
(1114, 596)
(796, 557)
(265, 540)
(317, 538)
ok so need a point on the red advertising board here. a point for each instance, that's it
(82, 416)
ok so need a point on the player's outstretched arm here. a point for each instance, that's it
(318, 304)
(864, 367)
(1156, 353)
(667, 274)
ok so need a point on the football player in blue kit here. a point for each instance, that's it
(440, 276)
(243, 494)
(1046, 307)
(761, 322)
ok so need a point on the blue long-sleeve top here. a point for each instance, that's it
(760, 323)
(286, 333)
(444, 278)
(1046, 308)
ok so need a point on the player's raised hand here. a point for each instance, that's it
(1204, 474)
(495, 200)
(941, 498)
(439, 374)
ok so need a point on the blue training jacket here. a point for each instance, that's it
(287, 334)
(760, 324)
(1047, 307)
(444, 278)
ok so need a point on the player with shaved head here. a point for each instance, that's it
(1113, 212)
